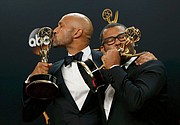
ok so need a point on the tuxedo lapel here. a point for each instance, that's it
(63, 90)
(87, 80)
(132, 70)
(101, 97)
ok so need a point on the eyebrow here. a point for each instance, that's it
(115, 36)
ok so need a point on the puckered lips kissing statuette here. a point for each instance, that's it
(41, 86)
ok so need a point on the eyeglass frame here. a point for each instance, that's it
(105, 41)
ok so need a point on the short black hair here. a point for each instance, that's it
(109, 26)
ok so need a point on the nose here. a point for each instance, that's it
(117, 42)
(55, 30)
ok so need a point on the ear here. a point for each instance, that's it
(78, 33)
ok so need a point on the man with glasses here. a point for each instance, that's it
(136, 94)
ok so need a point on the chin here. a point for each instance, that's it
(55, 45)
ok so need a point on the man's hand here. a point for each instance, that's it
(144, 58)
(41, 68)
(111, 58)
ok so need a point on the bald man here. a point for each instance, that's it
(75, 104)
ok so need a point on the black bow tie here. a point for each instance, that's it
(69, 59)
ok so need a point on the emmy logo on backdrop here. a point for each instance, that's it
(41, 86)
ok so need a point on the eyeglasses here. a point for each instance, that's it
(111, 40)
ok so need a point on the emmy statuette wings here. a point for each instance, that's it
(107, 14)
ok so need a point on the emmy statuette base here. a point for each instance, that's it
(42, 86)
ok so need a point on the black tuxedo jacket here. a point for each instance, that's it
(65, 109)
(140, 94)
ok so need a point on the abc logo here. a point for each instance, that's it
(34, 39)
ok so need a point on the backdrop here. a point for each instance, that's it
(158, 21)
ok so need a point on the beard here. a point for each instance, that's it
(54, 45)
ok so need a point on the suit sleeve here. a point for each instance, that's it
(32, 108)
(147, 83)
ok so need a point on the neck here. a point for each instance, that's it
(76, 46)
(74, 50)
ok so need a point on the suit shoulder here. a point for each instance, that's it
(155, 63)
(97, 53)
(56, 66)
(58, 62)
(155, 66)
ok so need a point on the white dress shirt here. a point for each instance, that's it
(74, 81)
(109, 93)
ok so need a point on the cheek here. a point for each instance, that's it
(58, 39)
(60, 35)
(112, 47)
(68, 36)
(106, 48)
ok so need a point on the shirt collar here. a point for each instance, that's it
(129, 62)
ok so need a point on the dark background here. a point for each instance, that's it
(158, 21)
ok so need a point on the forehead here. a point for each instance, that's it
(113, 31)
(65, 20)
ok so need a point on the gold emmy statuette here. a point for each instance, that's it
(42, 86)
(131, 35)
